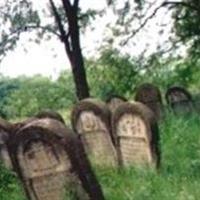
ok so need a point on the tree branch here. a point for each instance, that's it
(67, 6)
(180, 3)
(76, 2)
(165, 3)
(43, 28)
(58, 19)
(64, 35)
(12, 38)
(143, 24)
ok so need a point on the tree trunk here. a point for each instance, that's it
(78, 70)
(76, 59)
(79, 74)
(71, 41)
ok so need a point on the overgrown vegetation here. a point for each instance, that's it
(23, 97)
(111, 73)
(178, 178)
(10, 187)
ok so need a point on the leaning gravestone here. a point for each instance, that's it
(136, 134)
(5, 131)
(179, 99)
(114, 101)
(41, 115)
(91, 120)
(43, 159)
(150, 95)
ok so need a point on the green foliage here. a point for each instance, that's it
(24, 97)
(112, 73)
(7, 86)
(177, 179)
(14, 17)
(20, 16)
(10, 187)
(167, 72)
(187, 25)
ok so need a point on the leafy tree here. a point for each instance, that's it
(37, 93)
(65, 20)
(134, 16)
(187, 26)
(113, 73)
(7, 86)
(19, 16)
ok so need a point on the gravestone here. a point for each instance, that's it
(18, 125)
(114, 101)
(136, 134)
(5, 131)
(43, 159)
(91, 121)
(49, 114)
(179, 99)
(41, 115)
(150, 95)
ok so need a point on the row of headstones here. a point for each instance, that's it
(178, 99)
(127, 136)
(49, 157)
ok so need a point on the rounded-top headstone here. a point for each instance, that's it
(43, 159)
(18, 125)
(91, 121)
(41, 115)
(114, 101)
(150, 95)
(179, 99)
(49, 114)
(136, 134)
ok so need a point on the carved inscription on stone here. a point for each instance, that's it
(89, 122)
(96, 138)
(45, 167)
(133, 140)
(40, 157)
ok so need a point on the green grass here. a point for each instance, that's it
(10, 187)
(178, 178)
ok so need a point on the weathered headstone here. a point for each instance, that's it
(136, 134)
(179, 99)
(50, 114)
(91, 120)
(114, 101)
(5, 131)
(150, 95)
(41, 115)
(50, 164)
(18, 125)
